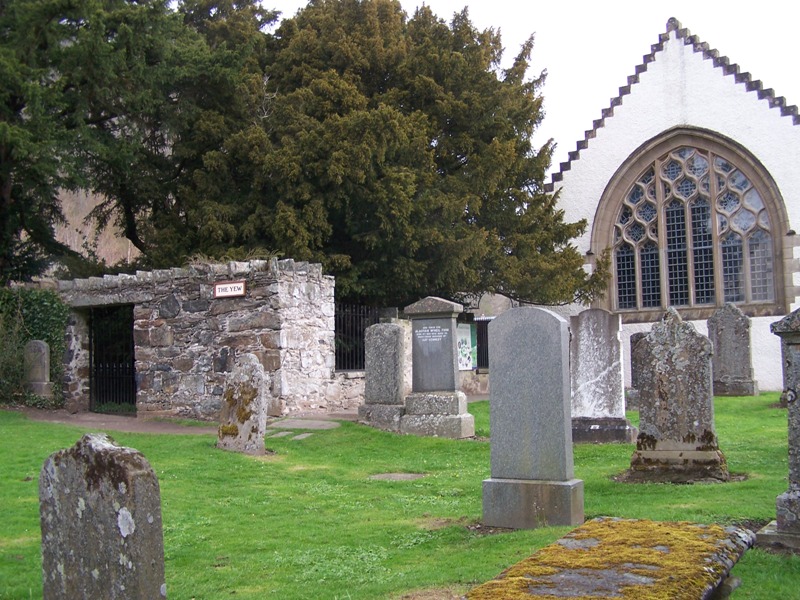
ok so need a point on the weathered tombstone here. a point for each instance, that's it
(245, 402)
(384, 385)
(729, 331)
(637, 366)
(785, 530)
(36, 363)
(100, 510)
(532, 483)
(677, 441)
(598, 389)
(434, 406)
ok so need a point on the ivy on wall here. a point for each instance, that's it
(30, 314)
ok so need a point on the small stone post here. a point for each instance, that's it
(434, 406)
(598, 390)
(677, 441)
(385, 367)
(729, 331)
(785, 530)
(36, 362)
(100, 508)
(245, 402)
(532, 483)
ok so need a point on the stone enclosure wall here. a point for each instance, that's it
(187, 341)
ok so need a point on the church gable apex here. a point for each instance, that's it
(721, 62)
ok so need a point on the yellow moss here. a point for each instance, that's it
(228, 430)
(621, 546)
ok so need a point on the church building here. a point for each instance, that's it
(690, 183)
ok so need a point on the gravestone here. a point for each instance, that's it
(435, 407)
(100, 513)
(384, 385)
(36, 363)
(598, 390)
(245, 403)
(677, 441)
(637, 366)
(532, 476)
(729, 331)
(785, 530)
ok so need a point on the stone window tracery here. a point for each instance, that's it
(692, 231)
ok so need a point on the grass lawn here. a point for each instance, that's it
(308, 522)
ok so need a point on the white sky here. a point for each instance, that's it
(589, 48)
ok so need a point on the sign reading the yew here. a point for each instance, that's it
(230, 289)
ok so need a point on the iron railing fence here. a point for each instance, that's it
(351, 321)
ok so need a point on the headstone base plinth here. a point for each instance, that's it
(678, 466)
(736, 387)
(440, 414)
(788, 512)
(40, 388)
(530, 503)
(771, 537)
(382, 416)
(603, 431)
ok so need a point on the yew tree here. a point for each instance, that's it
(397, 151)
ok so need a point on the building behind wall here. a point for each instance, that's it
(690, 181)
(188, 331)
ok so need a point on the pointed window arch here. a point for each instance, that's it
(692, 223)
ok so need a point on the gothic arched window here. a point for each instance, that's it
(692, 227)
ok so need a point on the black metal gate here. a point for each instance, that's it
(112, 380)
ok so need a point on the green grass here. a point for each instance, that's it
(308, 522)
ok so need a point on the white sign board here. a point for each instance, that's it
(230, 289)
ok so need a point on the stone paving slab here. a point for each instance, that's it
(293, 423)
(302, 436)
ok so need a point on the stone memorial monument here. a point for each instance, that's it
(434, 407)
(677, 441)
(385, 366)
(245, 403)
(100, 512)
(598, 390)
(36, 363)
(532, 477)
(729, 331)
(785, 530)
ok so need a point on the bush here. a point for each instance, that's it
(30, 314)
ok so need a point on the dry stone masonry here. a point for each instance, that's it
(532, 483)
(187, 338)
(100, 512)
(677, 441)
(785, 530)
(729, 331)
(598, 390)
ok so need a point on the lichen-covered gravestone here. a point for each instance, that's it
(100, 509)
(598, 390)
(729, 331)
(384, 385)
(677, 441)
(245, 401)
(36, 362)
(785, 530)
(532, 483)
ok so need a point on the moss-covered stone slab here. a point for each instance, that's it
(623, 558)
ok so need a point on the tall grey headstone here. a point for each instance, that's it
(677, 440)
(384, 385)
(729, 331)
(434, 406)
(532, 476)
(36, 363)
(598, 389)
(245, 403)
(785, 530)
(100, 512)
(637, 366)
